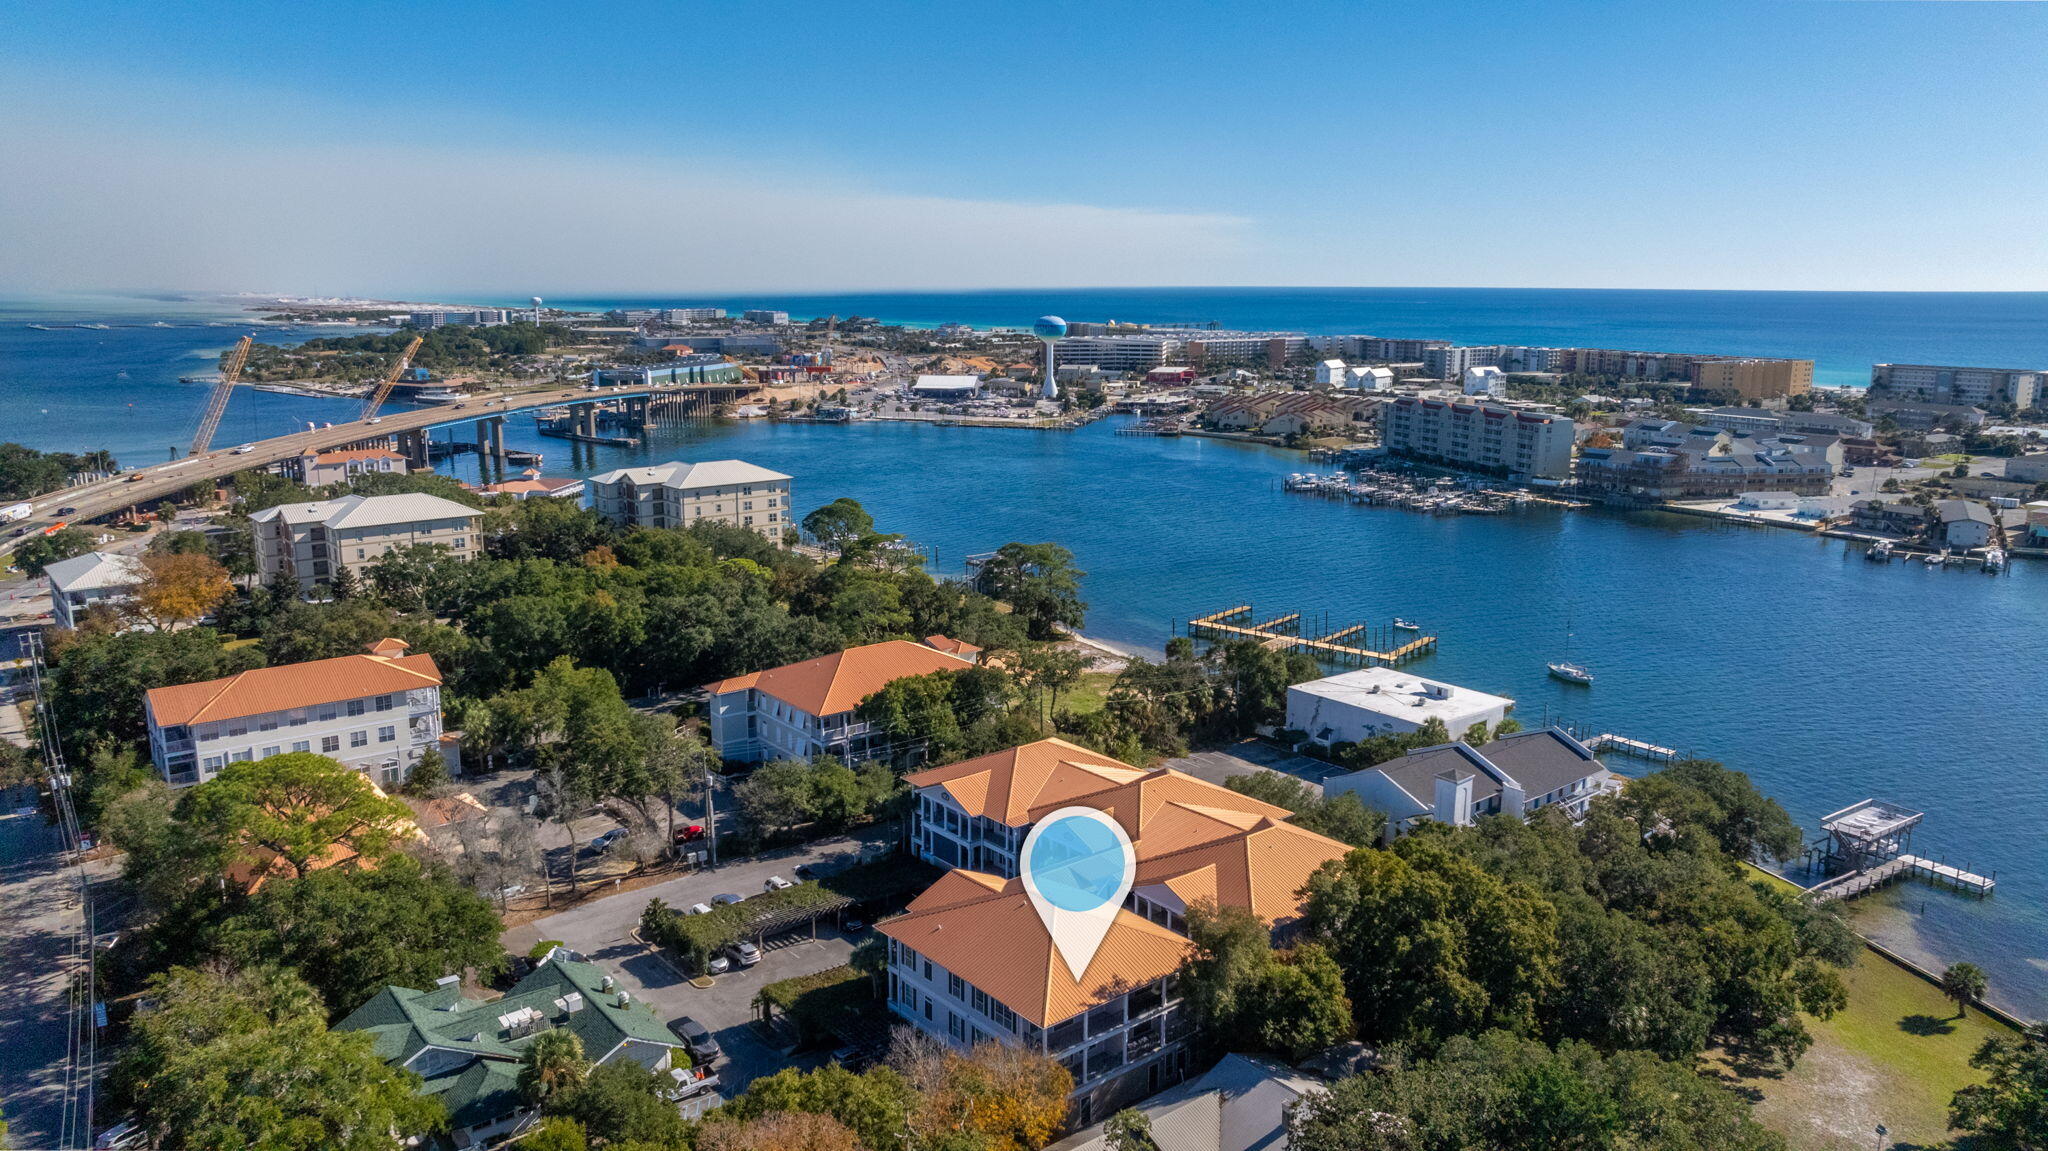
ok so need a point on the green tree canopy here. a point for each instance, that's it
(296, 806)
(1040, 583)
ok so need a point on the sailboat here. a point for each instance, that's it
(1565, 669)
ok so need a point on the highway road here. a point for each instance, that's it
(144, 486)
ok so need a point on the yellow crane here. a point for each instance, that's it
(390, 379)
(217, 403)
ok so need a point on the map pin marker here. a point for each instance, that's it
(1078, 867)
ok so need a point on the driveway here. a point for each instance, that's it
(1251, 755)
(604, 931)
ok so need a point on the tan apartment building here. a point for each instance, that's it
(677, 494)
(310, 542)
(318, 469)
(1754, 379)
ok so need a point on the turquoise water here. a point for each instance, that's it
(1827, 678)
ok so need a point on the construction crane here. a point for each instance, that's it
(390, 380)
(217, 403)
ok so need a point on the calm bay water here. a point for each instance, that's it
(1827, 678)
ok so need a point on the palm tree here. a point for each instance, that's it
(1963, 982)
(553, 1063)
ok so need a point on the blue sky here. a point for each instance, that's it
(423, 148)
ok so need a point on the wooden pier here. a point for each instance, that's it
(1608, 741)
(1869, 840)
(1283, 633)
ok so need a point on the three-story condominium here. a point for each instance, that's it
(677, 494)
(377, 713)
(970, 961)
(309, 543)
(807, 709)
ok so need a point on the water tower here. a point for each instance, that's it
(536, 310)
(1049, 330)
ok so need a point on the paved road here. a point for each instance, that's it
(148, 485)
(603, 931)
(40, 925)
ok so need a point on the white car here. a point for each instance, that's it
(374, 420)
(699, 909)
(719, 964)
(776, 883)
(245, 449)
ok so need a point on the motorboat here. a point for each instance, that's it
(1406, 624)
(1879, 552)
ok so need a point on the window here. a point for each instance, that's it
(212, 763)
(981, 1001)
(239, 727)
(268, 723)
(242, 756)
(273, 749)
(1106, 1018)
(383, 703)
(301, 745)
(461, 542)
(956, 1026)
(355, 707)
(328, 711)
(359, 738)
(387, 735)
(957, 987)
(927, 1007)
(330, 743)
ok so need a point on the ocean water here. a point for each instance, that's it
(1842, 332)
(1827, 678)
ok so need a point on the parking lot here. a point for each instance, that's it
(604, 930)
(1249, 756)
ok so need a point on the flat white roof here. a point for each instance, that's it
(1402, 695)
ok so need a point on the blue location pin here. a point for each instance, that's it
(1078, 867)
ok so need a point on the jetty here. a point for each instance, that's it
(1338, 645)
(1640, 749)
(1867, 842)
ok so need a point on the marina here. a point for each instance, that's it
(1283, 633)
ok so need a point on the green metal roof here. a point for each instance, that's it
(468, 1050)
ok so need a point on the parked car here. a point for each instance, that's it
(744, 953)
(719, 964)
(696, 1038)
(699, 909)
(728, 899)
(776, 883)
(604, 842)
(127, 1133)
(854, 925)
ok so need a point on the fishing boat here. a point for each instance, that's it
(1406, 624)
(1880, 552)
(1994, 559)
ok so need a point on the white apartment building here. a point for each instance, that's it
(1138, 354)
(677, 494)
(377, 713)
(1975, 387)
(692, 315)
(95, 577)
(1479, 436)
(1486, 381)
(765, 316)
(310, 543)
(804, 710)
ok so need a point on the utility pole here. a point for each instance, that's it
(711, 813)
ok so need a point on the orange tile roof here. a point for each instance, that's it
(951, 646)
(834, 683)
(1261, 869)
(985, 930)
(268, 689)
(1007, 785)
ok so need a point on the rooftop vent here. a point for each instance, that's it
(624, 999)
(605, 984)
(571, 1003)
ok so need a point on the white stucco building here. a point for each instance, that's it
(1373, 701)
(308, 543)
(95, 577)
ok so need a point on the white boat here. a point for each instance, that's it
(1406, 625)
(98, 327)
(1880, 552)
(1994, 559)
(436, 396)
(42, 327)
(1571, 673)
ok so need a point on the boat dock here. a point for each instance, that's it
(1640, 749)
(1868, 840)
(1283, 633)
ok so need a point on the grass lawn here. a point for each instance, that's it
(1086, 696)
(1895, 1056)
